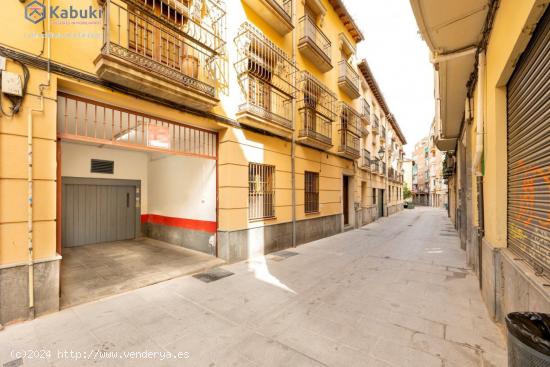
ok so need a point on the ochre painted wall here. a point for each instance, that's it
(509, 37)
(237, 147)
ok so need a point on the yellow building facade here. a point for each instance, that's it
(491, 122)
(238, 128)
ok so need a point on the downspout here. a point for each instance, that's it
(293, 143)
(30, 229)
(479, 153)
(479, 112)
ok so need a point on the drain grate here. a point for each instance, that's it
(213, 275)
(285, 254)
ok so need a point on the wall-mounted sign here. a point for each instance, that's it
(158, 136)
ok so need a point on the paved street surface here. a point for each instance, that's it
(394, 293)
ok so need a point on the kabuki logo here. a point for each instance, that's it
(36, 12)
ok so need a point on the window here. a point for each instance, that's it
(374, 196)
(261, 191)
(311, 192)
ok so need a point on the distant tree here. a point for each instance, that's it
(406, 191)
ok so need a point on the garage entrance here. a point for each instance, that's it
(98, 210)
(137, 199)
(528, 160)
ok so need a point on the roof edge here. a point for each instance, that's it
(347, 19)
(373, 85)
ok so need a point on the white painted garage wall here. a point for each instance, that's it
(129, 165)
(182, 187)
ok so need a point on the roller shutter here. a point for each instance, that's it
(529, 152)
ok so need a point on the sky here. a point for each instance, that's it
(399, 60)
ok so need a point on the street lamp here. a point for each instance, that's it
(381, 153)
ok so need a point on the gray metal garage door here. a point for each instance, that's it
(529, 152)
(96, 210)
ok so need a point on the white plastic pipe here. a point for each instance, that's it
(30, 199)
(480, 112)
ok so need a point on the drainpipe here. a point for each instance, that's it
(293, 143)
(479, 152)
(479, 112)
(30, 229)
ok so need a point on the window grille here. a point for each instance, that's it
(311, 192)
(261, 191)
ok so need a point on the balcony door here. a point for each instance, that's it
(311, 96)
(260, 69)
(344, 127)
(149, 37)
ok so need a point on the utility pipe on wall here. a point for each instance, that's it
(30, 228)
(479, 113)
(293, 147)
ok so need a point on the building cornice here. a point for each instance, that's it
(373, 85)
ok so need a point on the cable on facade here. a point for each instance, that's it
(16, 101)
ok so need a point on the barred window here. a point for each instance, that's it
(261, 191)
(374, 196)
(311, 192)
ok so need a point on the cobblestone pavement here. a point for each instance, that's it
(393, 293)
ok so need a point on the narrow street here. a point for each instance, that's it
(396, 292)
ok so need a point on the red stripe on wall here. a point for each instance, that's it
(198, 225)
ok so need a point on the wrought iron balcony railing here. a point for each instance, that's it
(284, 5)
(365, 159)
(375, 128)
(168, 39)
(375, 165)
(348, 79)
(350, 125)
(277, 13)
(317, 107)
(365, 110)
(315, 129)
(265, 74)
(314, 43)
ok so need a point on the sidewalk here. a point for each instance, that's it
(394, 293)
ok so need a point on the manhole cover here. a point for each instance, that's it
(213, 275)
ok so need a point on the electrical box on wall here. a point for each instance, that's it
(11, 84)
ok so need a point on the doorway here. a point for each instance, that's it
(380, 203)
(345, 199)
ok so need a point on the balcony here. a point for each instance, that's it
(375, 128)
(383, 168)
(276, 13)
(348, 79)
(365, 160)
(159, 49)
(349, 132)
(314, 44)
(265, 75)
(383, 136)
(317, 111)
(375, 165)
(365, 111)
(394, 175)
